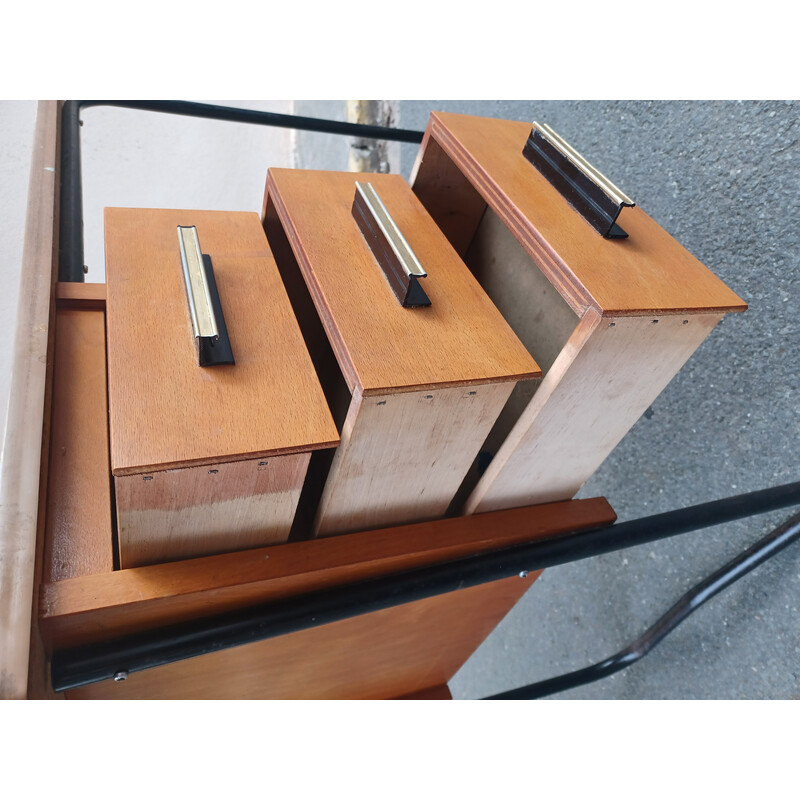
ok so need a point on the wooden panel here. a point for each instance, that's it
(384, 654)
(21, 444)
(97, 607)
(648, 272)
(403, 456)
(536, 312)
(165, 410)
(447, 194)
(605, 378)
(530, 304)
(380, 346)
(85, 296)
(199, 511)
(78, 532)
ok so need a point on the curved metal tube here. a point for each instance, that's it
(745, 562)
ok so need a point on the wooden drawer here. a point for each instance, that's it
(85, 601)
(415, 391)
(611, 321)
(205, 459)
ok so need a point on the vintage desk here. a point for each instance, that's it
(82, 599)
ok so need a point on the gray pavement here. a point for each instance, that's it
(724, 179)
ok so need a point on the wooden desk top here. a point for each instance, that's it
(650, 272)
(460, 339)
(165, 410)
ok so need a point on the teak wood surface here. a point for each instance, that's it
(382, 655)
(165, 410)
(648, 272)
(96, 607)
(81, 295)
(78, 527)
(382, 347)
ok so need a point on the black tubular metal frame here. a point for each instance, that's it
(775, 541)
(70, 247)
(116, 659)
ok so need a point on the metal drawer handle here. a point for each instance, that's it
(208, 323)
(390, 248)
(587, 190)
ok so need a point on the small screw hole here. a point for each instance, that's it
(611, 324)
(262, 463)
(686, 322)
(147, 478)
(655, 322)
(429, 397)
(213, 471)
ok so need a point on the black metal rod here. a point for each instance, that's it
(757, 554)
(70, 218)
(226, 113)
(91, 663)
(70, 263)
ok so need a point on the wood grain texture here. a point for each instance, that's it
(650, 272)
(404, 456)
(380, 346)
(381, 655)
(197, 511)
(85, 296)
(78, 539)
(92, 608)
(165, 411)
(21, 446)
(530, 304)
(447, 194)
(610, 371)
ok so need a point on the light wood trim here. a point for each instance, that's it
(530, 304)
(22, 438)
(84, 296)
(197, 511)
(96, 607)
(404, 456)
(78, 527)
(605, 378)
(650, 272)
